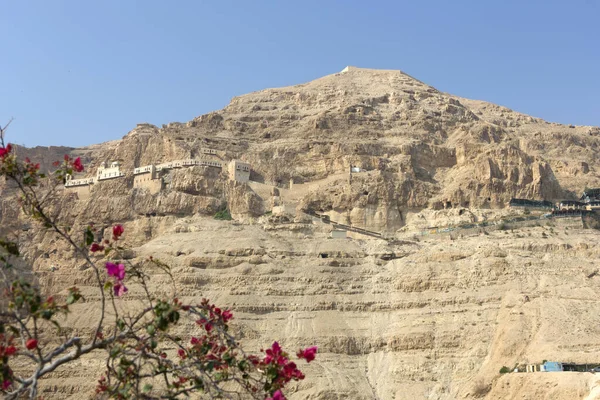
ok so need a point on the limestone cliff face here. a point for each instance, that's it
(488, 177)
(426, 148)
(402, 319)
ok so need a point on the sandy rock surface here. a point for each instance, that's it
(432, 316)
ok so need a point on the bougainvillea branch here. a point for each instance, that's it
(144, 358)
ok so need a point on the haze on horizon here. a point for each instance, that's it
(77, 73)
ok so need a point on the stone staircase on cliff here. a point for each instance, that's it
(325, 218)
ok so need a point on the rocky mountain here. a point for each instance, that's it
(423, 148)
(407, 317)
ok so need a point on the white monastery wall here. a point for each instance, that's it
(147, 177)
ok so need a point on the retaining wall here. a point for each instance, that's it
(83, 191)
(145, 181)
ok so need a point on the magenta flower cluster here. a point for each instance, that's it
(117, 271)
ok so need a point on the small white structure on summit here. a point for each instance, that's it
(114, 171)
(239, 171)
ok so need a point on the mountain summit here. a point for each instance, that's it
(424, 149)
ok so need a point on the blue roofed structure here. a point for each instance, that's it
(552, 366)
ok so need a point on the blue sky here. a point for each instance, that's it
(82, 72)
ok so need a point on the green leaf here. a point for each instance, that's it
(147, 388)
(89, 236)
(151, 330)
(210, 366)
(174, 317)
(120, 324)
(74, 295)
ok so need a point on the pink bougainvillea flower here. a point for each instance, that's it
(121, 272)
(6, 384)
(77, 166)
(10, 350)
(4, 151)
(117, 231)
(120, 289)
(275, 348)
(277, 396)
(290, 370)
(96, 247)
(194, 340)
(227, 315)
(204, 322)
(308, 354)
(181, 353)
(111, 269)
(273, 354)
(31, 344)
(116, 270)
